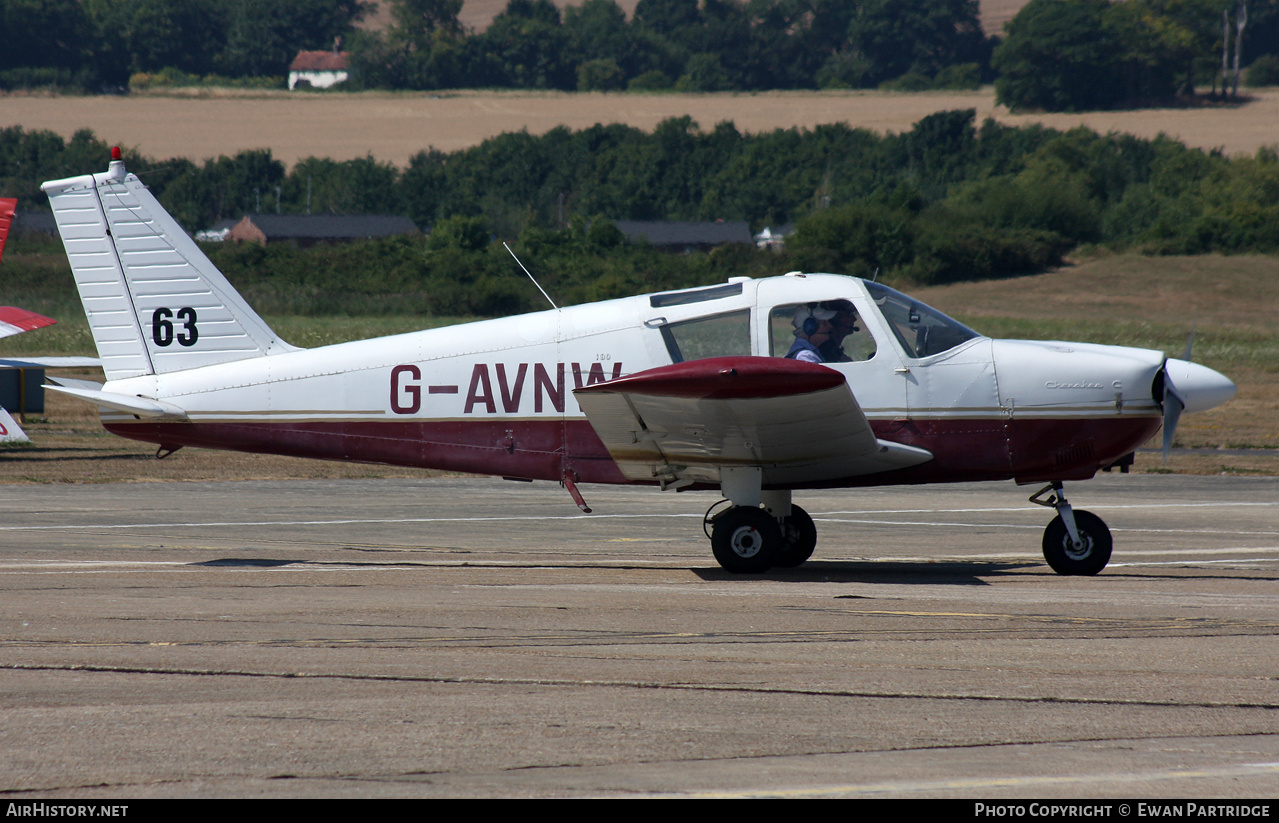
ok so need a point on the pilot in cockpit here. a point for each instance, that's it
(813, 329)
(843, 323)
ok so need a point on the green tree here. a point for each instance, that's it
(597, 31)
(417, 21)
(920, 36)
(43, 33)
(525, 47)
(1058, 55)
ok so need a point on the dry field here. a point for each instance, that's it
(395, 126)
(1150, 302)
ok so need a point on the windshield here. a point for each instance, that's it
(922, 331)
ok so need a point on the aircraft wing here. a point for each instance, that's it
(798, 422)
(14, 320)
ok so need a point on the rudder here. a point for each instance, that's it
(155, 303)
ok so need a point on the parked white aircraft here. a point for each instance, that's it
(682, 389)
(14, 320)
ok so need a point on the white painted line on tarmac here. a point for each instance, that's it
(840, 516)
(1041, 782)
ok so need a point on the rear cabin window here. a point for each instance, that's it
(721, 335)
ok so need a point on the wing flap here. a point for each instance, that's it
(798, 422)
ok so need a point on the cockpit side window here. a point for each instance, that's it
(921, 330)
(847, 340)
(720, 335)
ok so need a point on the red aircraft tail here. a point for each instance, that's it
(7, 206)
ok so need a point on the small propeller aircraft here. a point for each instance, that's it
(688, 389)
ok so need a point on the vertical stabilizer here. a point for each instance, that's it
(154, 302)
(7, 207)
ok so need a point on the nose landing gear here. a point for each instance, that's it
(1075, 542)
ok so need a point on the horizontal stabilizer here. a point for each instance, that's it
(798, 422)
(141, 406)
(49, 362)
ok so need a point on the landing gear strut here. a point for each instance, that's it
(1075, 542)
(799, 538)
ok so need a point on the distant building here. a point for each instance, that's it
(310, 229)
(774, 239)
(683, 237)
(217, 232)
(318, 69)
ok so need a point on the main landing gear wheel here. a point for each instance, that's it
(746, 540)
(1092, 553)
(799, 538)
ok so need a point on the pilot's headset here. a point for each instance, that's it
(808, 319)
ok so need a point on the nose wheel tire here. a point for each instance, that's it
(746, 540)
(1089, 557)
(799, 538)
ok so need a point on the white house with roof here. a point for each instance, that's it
(318, 69)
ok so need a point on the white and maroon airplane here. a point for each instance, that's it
(682, 389)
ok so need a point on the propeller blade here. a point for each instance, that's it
(1173, 407)
(1190, 387)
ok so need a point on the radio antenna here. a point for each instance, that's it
(531, 277)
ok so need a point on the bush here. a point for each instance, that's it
(910, 81)
(464, 233)
(171, 78)
(650, 81)
(946, 253)
(600, 75)
(1264, 71)
(858, 237)
(960, 77)
(703, 72)
(77, 82)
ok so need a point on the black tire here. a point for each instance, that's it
(1062, 555)
(799, 538)
(746, 540)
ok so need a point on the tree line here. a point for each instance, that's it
(1055, 54)
(94, 45)
(1075, 55)
(714, 45)
(948, 200)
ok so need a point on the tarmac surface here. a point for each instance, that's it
(475, 637)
